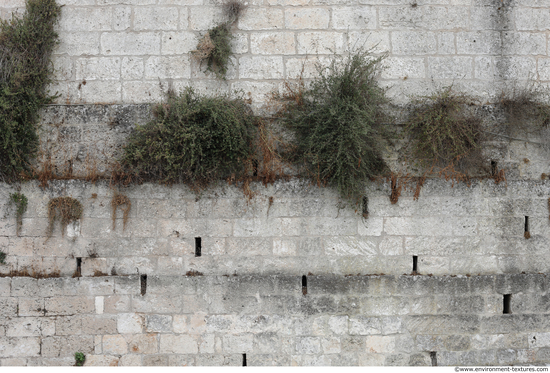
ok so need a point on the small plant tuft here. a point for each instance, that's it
(20, 201)
(339, 125)
(193, 139)
(233, 9)
(215, 49)
(523, 105)
(65, 209)
(120, 200)
(79, 358)
(2, 257)
(445, 134)
(26, 45)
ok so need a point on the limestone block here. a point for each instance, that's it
(451, 67)
(117, 304)
(261, 67)
(114, 344)
(155, 18)
(99, 324)
(93, 68)
(167, 68)
(320, 42)
(142, 43)
(178, 344)
(122, 18)
(272, 43)
(19, 347)
(413, 43)
(68, 325)
(353, 18)
(158, 323)
(532, 19)
(306, 18)
(142, 343)
(403, 67)
(65, 346)
(178, 42)
(129, 323)
(69, 305)
(308, 345)
(478, 42)
(338, 324)
(261, 19)
(204, 17)
(86, 19)
(238, 343)
(132, 68)
(285, 247)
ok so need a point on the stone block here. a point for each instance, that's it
(354, 18)
(159, 323)
(178, 344)
(130, 323)
(272, 43)
(65, 346)
(103, 324)
(69, 305)
(86, 19)
(19, 347)
(125, 44)
(262, 19)
(155, 18)
(307, 18)
(413, 43)
(142, 343)
(320, 42)
(260, 68)
(308, 345)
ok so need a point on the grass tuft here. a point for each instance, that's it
(65, 209)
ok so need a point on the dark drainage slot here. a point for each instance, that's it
(365, 207)
(433, 356)
(526, 234)
(254, 167)
(143, 284)
(198, 246)
(244, 360)
(415, 264)
(78, 271)
(304, 285)
(507, 303)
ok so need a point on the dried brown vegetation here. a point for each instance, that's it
(32, 272)
(120, 200)
(64, 209)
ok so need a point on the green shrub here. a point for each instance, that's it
(26, 45)
(79, 358)
(215, 49)
(193, 139)
(338, 123)
(2, 257)
(445, 133)
(20, 201)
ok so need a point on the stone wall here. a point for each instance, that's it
(117, 51)
(268, 320)
(366, 301)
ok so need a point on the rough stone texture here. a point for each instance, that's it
(106, 43)
(353, 320)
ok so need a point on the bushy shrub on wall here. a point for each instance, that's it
(193, 139)
(26, 45)
(339, 125)
(445, 134)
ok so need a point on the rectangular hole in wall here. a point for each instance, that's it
(244, 360)
(143, 279)
(433, 357)
(198, 246)
(507, 303)
(365, 207)
(527, 234)
(304, 285)
(78, 271)
(254, 167)
(415, 264)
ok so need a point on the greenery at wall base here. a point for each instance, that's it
(26, 46)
